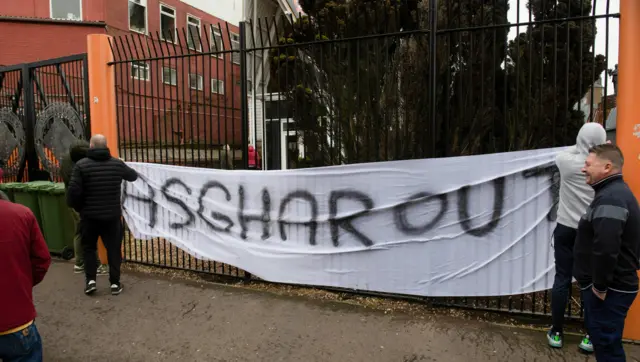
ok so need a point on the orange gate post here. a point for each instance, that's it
(102, 96)
(628, 119)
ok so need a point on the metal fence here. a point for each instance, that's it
(362, 81)
(43, 108)
(178, 97)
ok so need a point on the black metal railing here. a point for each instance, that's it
(366, 81)
(371, 81)
(179, 102)
(375, 81)
(11, 116)
(43, 107)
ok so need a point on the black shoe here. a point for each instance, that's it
(90, 288)
(116, 289)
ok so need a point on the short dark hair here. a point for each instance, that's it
(609, 152)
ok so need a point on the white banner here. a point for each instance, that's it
(463, 226)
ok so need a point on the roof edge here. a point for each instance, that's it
(16, 19)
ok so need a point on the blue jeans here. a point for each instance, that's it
(21, 346)
(564, 238)
(605, 323)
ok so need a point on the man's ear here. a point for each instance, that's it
(608, 167)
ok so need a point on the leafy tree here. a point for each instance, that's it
(359, 75)
(553, 65)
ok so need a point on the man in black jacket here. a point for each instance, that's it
(77, 151)
(95, 192)
(606, 252)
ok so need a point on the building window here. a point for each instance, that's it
(138, 16)
(217, 86)
(193, 33)
(235, 45)
(140, 70)
(66, 9)
(216, 44)
(169, 76)
(168, 23)
(196, 81)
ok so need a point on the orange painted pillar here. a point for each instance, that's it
(102, 96)
(628, 119)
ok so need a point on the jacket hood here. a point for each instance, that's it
(78, 150)
(591, 134)
(99, 154)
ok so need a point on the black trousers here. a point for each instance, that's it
(111, 232)
(564, 240)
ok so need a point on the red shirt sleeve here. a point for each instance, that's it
(40, 257)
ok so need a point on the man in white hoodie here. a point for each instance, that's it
(575, 197)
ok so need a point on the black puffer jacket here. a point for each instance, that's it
(96, 185)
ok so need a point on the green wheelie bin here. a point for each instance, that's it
(58, 226)
(7, 188)
(25, 194)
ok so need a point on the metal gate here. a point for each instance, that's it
(43, 108)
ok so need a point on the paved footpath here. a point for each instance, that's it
(157, 319)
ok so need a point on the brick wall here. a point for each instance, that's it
(24, 42)
(92, 10)
(150, 112)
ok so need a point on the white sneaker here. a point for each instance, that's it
(116, 289)
(90, 288)
(103, 270)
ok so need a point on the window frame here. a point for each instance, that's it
(214, 31)
(144, 4)
(231, 41)
(138, 65)
(51, 11)
(197, 47)
(175, 21)
(220, 86)
(175, 71)
(199, 82)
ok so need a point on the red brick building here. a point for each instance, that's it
(165, 97)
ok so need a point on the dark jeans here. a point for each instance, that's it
(564, 238)
(605, 323)
(111, 232)
(21, 346)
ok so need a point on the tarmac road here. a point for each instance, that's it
(157, 319)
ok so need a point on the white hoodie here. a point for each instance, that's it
(575, 193)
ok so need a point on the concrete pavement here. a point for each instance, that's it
(156, 319)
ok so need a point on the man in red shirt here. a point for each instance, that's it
(24, 261)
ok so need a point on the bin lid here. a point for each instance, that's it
(54, 188)
(49, 187)
(38, 186)
(9, 186)
(18, 186)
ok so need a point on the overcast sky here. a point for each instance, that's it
(228, 10)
